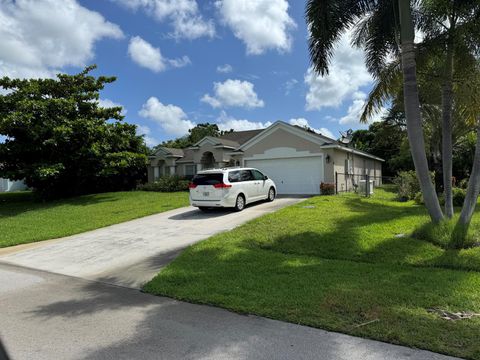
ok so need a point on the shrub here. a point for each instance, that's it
(463, 184)
(458, 196)
(327, 188)
(418, 198)
(166, 184)
(408, 185)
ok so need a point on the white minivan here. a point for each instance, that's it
(233, 188)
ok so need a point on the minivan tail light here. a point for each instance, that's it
(222, 186)
(192, 185)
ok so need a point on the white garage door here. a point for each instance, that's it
(301, 175)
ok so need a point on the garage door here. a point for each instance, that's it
(292, 176)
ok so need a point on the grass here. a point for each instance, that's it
(345, 262)
(22, 220)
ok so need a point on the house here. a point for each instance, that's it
(297, 160)
(7, 185)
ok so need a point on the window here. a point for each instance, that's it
(234, 176)
(208, 179)
(246, 175)
(257, 175)
(189, 170)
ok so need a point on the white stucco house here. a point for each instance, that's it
(297, 160)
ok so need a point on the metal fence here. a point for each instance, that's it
(362, 184)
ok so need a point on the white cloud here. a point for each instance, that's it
(39, 37)
(261, 24)
(183, 15)
(225, 69)
(233, 93)
(171, 118)
(107, 103)
(226, 122)
(180, 62)
(302, 122)
(145, 131)
(347, 75)
(146, 55)
(289, 85)
(356, 108)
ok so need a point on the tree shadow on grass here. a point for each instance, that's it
(353, 238)
(346, 238)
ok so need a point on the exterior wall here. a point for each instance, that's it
(361, 166)
(161, 165)
(221, 155)
(282, 138)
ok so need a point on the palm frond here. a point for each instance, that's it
(386, 87)
(326, 22)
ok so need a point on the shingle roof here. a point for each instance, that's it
(240, 137)
(187, 157)
(176, 152)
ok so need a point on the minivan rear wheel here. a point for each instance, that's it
(240, 203)
(271, 194)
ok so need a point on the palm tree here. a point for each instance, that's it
(327, 20)
(448, 54)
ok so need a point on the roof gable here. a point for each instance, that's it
(165, 151)
(294, 130)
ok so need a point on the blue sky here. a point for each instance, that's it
(240, 64)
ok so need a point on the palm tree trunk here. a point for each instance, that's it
(473, 188)
(447, 106)
(412, 112)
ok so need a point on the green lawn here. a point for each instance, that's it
(336, 266)
(23, 220)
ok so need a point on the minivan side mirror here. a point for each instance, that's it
(265, 177)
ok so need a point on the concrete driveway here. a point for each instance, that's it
(131, 253)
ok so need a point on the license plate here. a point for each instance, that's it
(206, 194)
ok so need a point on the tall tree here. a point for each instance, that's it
(327, 20)
(412, 110)
(61, 142)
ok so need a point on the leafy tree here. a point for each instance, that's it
(195, 135)
(384, 139)
(61, 142)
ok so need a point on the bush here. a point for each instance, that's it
(463, 184)
(458, 196)
(418, 198)
(407, 185)
(166, 184)
(327, 188)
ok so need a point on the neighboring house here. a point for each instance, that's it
(296, 159)
(9, 185)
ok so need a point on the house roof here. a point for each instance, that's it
(174, 151)
(187, 157)
(240, 137)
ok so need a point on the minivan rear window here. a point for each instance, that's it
(208, 179)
